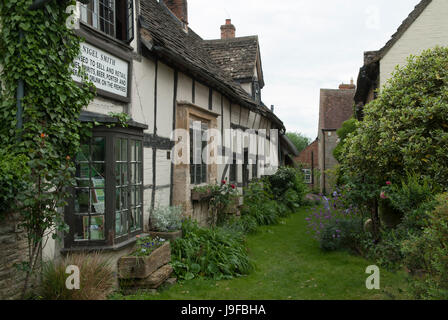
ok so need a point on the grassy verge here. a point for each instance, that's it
(289, 266)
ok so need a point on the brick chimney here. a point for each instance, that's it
(179, 8)
(345, 86)
(228, 30)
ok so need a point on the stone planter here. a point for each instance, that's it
(166, 235)
(201, 195)
(130, 267)
(154, 281)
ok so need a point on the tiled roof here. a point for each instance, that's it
(237, 56)
(336, 107)
(168, 39)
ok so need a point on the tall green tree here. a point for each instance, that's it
(299, 140)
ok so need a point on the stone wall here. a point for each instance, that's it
(13, 249)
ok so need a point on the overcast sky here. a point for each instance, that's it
(305, 45)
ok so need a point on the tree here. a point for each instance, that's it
(404, 130)
(299, 140)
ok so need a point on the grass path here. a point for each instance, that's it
(290, 266)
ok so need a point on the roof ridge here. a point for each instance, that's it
(404, 26)
(253, 37)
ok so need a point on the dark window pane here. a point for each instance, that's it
(138, 146)
(83, 154)
(124, 150)
(99, 171)
(82, 170)
(98, 201)
(82, 201)
(80, 231)
(117, 150)
(96, 228)
(99, 149)
(133, 151)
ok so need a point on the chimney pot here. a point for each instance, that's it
(345, 86)
(272, 108)
(228, 30)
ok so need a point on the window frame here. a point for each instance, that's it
(126, 17)
(110, 135)
(204, 179)
(308, 176)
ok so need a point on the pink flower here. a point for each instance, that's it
(233, 186)
(388, 183)
(383, 195)
(223, 182)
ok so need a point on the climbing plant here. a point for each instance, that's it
(37, 47)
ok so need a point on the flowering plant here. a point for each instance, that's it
(336, 209)
(147, 245)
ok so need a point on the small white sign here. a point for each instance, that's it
(104, 70)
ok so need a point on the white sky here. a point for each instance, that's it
(305, 45)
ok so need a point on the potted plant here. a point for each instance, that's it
(166, 222)
(149, 256)
(203, 193)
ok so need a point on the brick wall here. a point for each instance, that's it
(306, 158)
(13, 249)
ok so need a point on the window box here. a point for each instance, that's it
(201, 195)
(130, 267)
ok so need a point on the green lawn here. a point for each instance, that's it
(290, 266)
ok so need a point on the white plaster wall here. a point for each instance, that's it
(257, 121)
(226, 114)
(162, 197)
(147, 166)
(247, 87)
(216, 102)
(201, 95)
(163, 168)
(244, 117)
(428, 31)
(235, 116)
(143, 89)
(184, 88)
(147, 197)
(105, 106)
(250, 122)
(165, 97)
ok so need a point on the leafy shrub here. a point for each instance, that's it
(244, 224)
(387, 252)
(96, 278)
(348, 127)
(284, 180)
(341, 234)
(260, 204)
(428, 253)
(414, 197)
(405, 128)
(166, 219)
(215, 253)
(14, 172)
